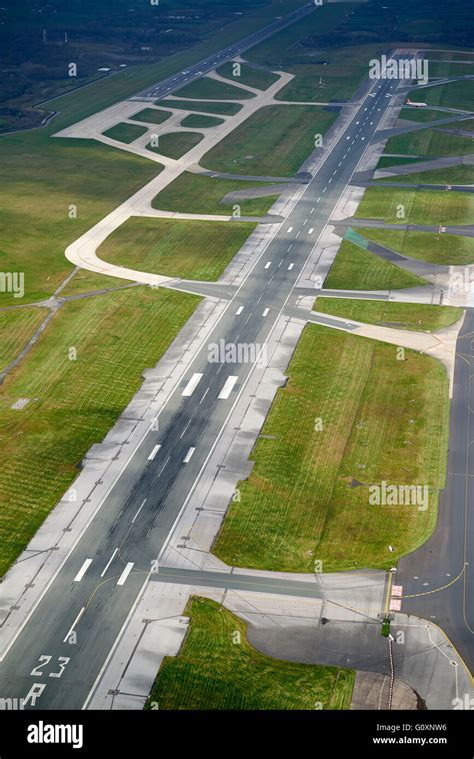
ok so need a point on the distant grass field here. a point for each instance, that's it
(88, 281)
(261, 79)
(197, 120)
(16, 328)
(419, 114)
(40, 178)
(190, 249)
(125, 132)
(450, 175)
(284, 48)
(358, 269)
(176, 144)
(213, 89)
(420, 317)
(274, 141)
(459, 94)
(198, 193)
(430, 142)
(83, 102)
(75, 402)
(336, 76)
(452, 250)
(212, 672)
(388, 161)
(349, 411)
(421, 206)
(226, 109)
(464, 124)
(151, 116)
(447, 69)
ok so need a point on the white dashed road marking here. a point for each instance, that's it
(83, 570)
(227, 389)
(121, 580)
(154, 451)
(192, 385)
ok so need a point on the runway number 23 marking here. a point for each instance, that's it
(44, 660)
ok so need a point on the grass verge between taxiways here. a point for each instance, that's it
(357, 269)
(217, 668)
(274, 141)
(451, 250)
(418, 206)
(198, 193)
(352, 415)
(421, 317)
(190, 249)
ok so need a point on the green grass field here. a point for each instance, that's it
(125, 132)
(450, 175)
(75, 402)
(358, 269)
(284, 48)
(261, 79)
(443, 69)
(151, 116)
(419, 114)
(213, 672)
(189, 249)
(176, 144)
(349, 411)
(198, 193)
(226, 109)
(420, 317)
(420, 207)
(452, 250)
(275, 141)
(16, 328)
(336, 77)
(212, 89)
(88, 281)
(430, 142)
(387, 161)
(459, 94)
(197, 120)
(40, 179)
(101, 94)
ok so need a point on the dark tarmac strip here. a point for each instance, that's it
(438, 578)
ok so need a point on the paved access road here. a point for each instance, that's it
(98, 585)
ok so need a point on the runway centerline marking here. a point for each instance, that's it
(115, 552)
(133, 520)
(204, 396)
(161, 470)
(71, 629)
(228, 387)
(192, 385)
(182, 434)
(83, 570)
(121, 580)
